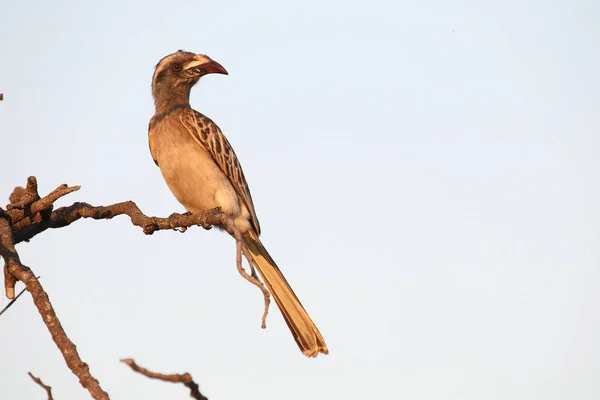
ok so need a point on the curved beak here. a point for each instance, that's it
(202, 65)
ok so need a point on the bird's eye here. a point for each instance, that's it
(177, 67)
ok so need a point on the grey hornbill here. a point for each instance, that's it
(203, 172)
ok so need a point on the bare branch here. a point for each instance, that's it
(18, 271)
(39, 382)
(185, 378)
(30, 215)
(47, 202)
(31, 225)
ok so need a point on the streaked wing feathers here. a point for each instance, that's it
(207, 134)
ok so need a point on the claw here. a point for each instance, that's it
(202, 218)
(203, 223)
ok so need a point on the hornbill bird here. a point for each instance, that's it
(203, 172)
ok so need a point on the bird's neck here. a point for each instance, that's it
(167, 98)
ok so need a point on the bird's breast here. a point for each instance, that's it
(190, 172)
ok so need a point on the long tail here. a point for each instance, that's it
(305, 332)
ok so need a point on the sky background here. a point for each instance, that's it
(426, 175)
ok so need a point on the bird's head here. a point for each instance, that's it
(176, 73)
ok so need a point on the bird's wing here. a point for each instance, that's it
(207, 134)
(151, 143)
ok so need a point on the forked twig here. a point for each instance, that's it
(185, 378)
(39, 382)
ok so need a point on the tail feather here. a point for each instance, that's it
(305, 332)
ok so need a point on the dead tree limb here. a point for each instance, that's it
(46, 387)
(185, 378)
(33, 215)
(28, 215)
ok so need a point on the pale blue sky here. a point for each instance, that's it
(426, 175)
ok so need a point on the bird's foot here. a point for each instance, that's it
(173, 222)
(202, 217)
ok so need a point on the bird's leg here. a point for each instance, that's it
(253, 271)
(248, 258)
(203, 216)
(234, 231)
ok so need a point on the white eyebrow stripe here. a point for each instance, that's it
(162, 64)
